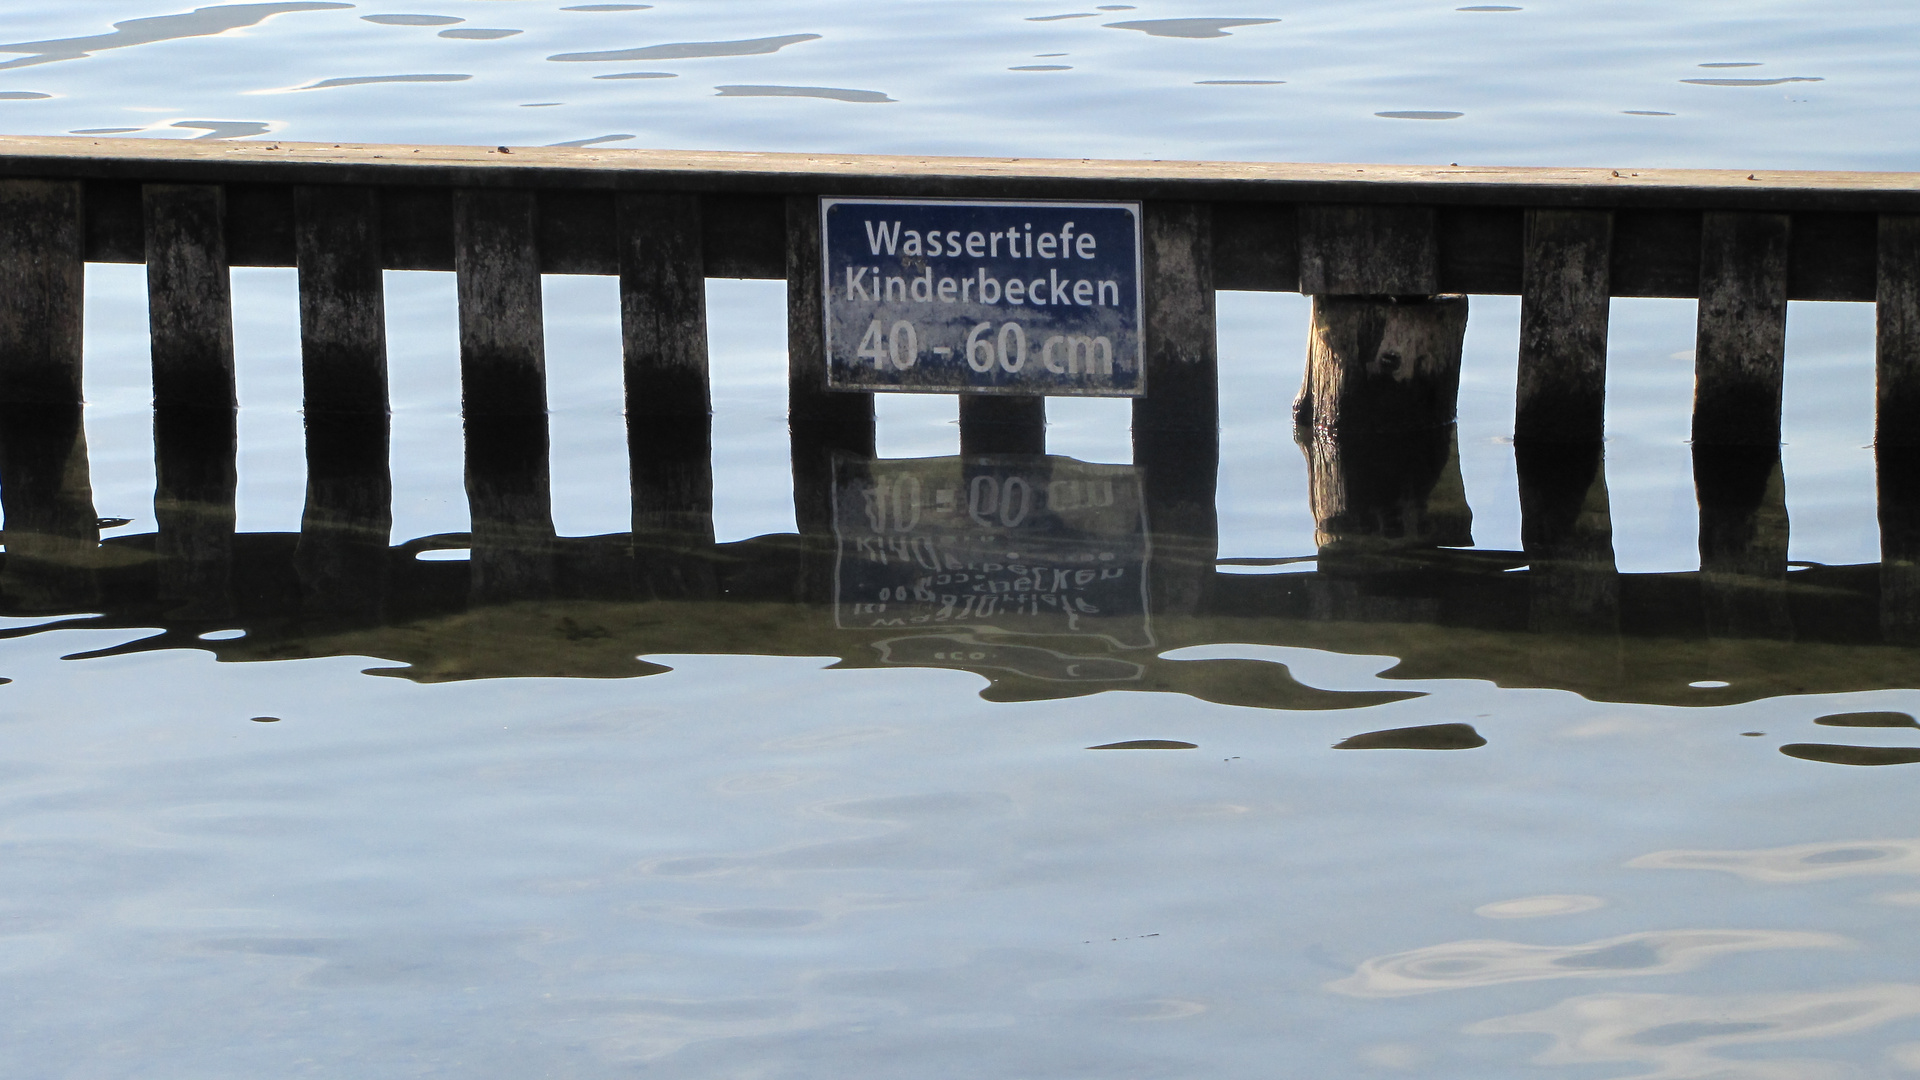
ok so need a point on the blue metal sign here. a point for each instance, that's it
(982, 297)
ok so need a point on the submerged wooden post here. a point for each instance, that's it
(1566, 529)
(1176, 427)
(1375, 418)
(503, 383)
(1564, 289)
(1002, 424)
(1743, 541)
(663, 324)
(821, 423)
(190, 317)
(1740, 352)
(1897, 424)
(45, 489)
(348, 520)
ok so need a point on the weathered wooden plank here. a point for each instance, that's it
(1256, 247)
(1566, 529)
(1480, 249)
(343, 319)
(1364, 250)
(260, 225)
(189, 298)
(822, 422)
(852, 175)
(1655, 253)
(1897, 332)
(663, 323)
(1740, 350)
(116, 229)
(1743, 541)
(578, 232)
(1002, 424)
(1562, 383)
(416, 228)
(744, 236)
(1832, 257)
(504, 395)
(1176, 426)
(42, 281)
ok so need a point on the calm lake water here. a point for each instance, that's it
(604, 837)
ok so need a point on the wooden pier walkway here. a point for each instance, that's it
(1386, 251)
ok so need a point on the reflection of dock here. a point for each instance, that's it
(1386, 252)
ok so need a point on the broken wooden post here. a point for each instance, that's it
(1176, 427)
(503, 384)
(346, 525)
(190, 316)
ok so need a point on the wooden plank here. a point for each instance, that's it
(1363, 250)
(577, 232)
(744, 236)
(1256, 247)
(1655, 253)
(1176, 427)
(1832, 257)
(260, 225)
(1002, 424)
(504, 395)
(1897, 332)
(1743, 541)
(663, 320)
(1480, 249)
(416, 228)
(116, 229)
(1740, 350)
(42, 280)
(189, 299)
(1562, 382)
(821, 422)
(259, 161)
(343, 319)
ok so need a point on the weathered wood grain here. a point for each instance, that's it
(343, 317)
(1562, 383)
(663, 324)
(42, 280)
(1897, 332)
(1364, 250)
(1382, 365)
(189, 298)
(1740, 350)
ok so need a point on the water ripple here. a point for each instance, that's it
(833, 92)
(200, 22)
(1187, 28)
(689, 50)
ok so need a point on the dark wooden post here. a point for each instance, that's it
(1564, 287)
(1740, 352)
(1375, 419)
(1566, 529)
(190, 316)
(345, 529)
(821, 423)
(1002, 424)
(503, 382)
(1743, 541)
(1176, 426)
(45, 489)
(663, 323)
(1897, 425)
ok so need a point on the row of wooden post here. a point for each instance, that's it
(1375, 416)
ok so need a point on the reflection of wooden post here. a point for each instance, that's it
(1743, 541)
(1375, 418)
(1566, 529)
(504, 395)
(1561, 396)
(1002, 424)
(1897, 426)
(344, 530)
(1176, 427)
(821, 421)
(45, 490)
(190, 313)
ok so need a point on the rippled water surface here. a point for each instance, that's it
(601, 835)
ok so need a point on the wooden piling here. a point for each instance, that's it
(1562, 388)
(1566, 530)
(1368, 250)
(821, 422)
(1897, 332)
(504, 395)
(42, 278)
(663, 325)
(1743, 541)
(1176, 427)
(1740, 351)
(1002, 424)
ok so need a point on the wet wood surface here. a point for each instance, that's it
(42, 278)
(1562, 383)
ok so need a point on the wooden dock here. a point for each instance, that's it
(1384, 250)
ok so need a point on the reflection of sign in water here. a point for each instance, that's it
(983, 296)
(1029, 545)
